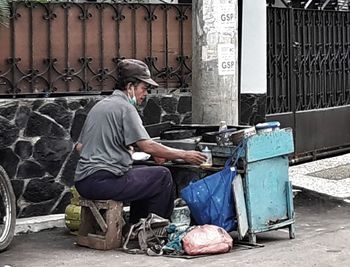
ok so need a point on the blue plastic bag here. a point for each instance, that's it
(211, 200)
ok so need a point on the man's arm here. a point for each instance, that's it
(78, 147)
(158, 150)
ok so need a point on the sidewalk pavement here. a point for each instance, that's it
(321, 224)
(329, 178)
(322, 240)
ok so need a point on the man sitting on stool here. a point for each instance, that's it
(105, 171)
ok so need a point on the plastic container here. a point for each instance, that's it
(222, 126)
(223, 139)
(209, 161)
(72, 212)
(72, 217)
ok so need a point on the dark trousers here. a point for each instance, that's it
(149, 189)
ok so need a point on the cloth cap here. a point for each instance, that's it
(136, 69)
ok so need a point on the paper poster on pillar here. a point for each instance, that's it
(227, 59)
(209, 53)
(227, 17)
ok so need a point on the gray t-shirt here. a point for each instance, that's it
(110, 127)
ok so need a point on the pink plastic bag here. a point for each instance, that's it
(207, 239)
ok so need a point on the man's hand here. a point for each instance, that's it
(194, 157)
(160, 151)
(131, 150)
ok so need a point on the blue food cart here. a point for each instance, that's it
(262, 190)
(263, 193)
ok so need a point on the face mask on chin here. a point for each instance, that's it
(132, 100)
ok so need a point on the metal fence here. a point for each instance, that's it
(309, 77)
(308, 59)
(278, 60)
(73, 48)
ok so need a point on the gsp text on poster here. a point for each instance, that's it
(227, 59)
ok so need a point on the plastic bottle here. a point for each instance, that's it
(222, 139)
(209, 161)
(181, 215)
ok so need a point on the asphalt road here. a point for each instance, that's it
(322, 239)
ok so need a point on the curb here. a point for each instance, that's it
(322, 196)
(39, 223)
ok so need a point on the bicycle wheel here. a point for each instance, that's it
(7, 211)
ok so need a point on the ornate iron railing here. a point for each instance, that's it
(312, 4)
(308, 59)
(322, 61)
(72, 48)
(278, 60)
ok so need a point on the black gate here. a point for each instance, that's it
(309, 76)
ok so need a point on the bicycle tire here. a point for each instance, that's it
(8, 221)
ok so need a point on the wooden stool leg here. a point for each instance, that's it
(87, 222)
(114, 225)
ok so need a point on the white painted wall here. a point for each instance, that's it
(253, 76)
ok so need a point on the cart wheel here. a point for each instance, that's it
(7, 211)
(291, 231)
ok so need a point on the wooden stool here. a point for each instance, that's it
(98, 232)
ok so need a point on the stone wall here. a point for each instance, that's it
(37, 137)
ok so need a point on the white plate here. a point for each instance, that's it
(140, 156)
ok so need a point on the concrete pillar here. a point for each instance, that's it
(215, 61)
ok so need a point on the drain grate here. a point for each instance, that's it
(337, 173)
